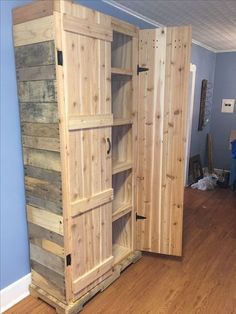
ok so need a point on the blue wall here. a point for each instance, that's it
(14, 244)
(205, 62)
(222, 123)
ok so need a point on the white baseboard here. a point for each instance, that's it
(15, 292)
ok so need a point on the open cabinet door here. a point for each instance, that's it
(163, 105)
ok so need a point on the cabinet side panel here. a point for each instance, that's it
(37, 94)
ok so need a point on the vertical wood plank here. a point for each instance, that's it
(162, 137)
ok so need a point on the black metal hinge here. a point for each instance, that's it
(140, 217)
(141, 69)
(59, 57)
(68, 260)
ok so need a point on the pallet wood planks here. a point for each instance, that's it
(36, 75)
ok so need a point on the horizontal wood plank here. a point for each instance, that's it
(121, 71)
(34, 55)
(32, 11)
(121, 166)
(122, 211)
(56, 279)
(37, 91)
(46, 285)
(35, 31)
(81, 206)
(124, 28)
(39, 112)
(38, 73)
(42, 159)
(40, 129)
(51, 206)
(122, 121)
(47, 175)
(92, 275)
(43, 189)
(44, 143)
(49, 246)
(45, 219)
(81, 26)
(84, 122)
(47, 259)
(39, 232)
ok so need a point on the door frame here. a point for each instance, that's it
(193, 69)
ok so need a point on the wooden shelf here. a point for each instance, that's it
(117, 122)
(121, 166)
(122, 211)
(119, 252)
(120, 71)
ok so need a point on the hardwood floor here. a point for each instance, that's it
(203, 281)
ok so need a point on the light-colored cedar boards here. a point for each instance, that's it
(161, 195)
(35, 10)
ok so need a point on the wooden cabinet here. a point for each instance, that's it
(103, 144)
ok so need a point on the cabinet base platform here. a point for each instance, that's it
(76, 307)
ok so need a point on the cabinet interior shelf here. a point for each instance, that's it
(119, 252)
(122, 211)
(122, 121)
(121, 71)
(121, 166)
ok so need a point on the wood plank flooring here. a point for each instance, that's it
(203, 281)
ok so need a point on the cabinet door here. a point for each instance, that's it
(162, 137)
(87, 72)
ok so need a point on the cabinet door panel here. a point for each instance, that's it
(87, 72)
(162, 137)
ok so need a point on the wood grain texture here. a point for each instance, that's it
(40, 129)
(37, 91)
(47, 285)
(45, 219)
(87, 66)
(124, 28)
(32, 11)
(38, 112)
(162, 137)
(38, 232)
(124, 62)
(31, 32)
(44, 143)
(48, 175)
(42, 189)
(39, 54)
(87, 122)
(54, 207)
(37, 73)
(47, 259)
(42, 159)
(83, 27)
(203, 281)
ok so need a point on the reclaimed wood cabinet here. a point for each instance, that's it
(103, 111)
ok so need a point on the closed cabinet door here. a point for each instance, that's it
(87, 77)
(163, 99)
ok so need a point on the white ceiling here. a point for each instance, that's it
(213, 21)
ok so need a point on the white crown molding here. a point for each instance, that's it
(132, 12)
(14, 293)
(223, 51)
(156, 24)
(203, 46)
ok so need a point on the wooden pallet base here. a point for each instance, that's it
(76, 307)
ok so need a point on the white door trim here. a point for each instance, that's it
(193, 69)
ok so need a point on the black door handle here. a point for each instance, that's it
(109, 146)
